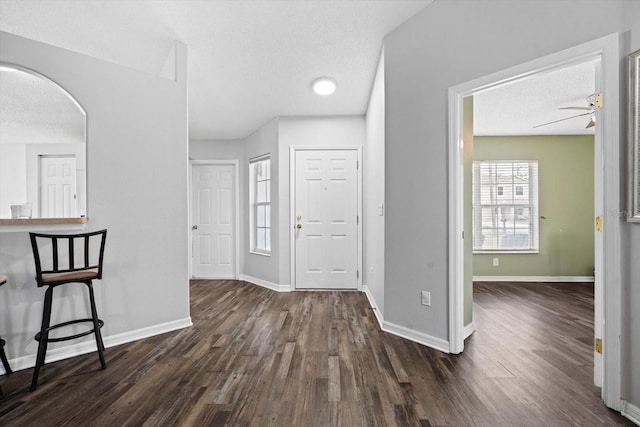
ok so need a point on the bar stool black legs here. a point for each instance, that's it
(3, 356)
(43, 336)
(5, 362)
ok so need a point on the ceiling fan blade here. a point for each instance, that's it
(562, 120)
(576, 108)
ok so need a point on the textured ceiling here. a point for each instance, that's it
(515, 109)
(249, 61)
(34, 110)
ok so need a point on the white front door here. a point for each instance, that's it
(326, 219)
(58, 187)
(213, 221)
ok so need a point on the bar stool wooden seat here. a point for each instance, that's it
(77, 260)
(3, 356)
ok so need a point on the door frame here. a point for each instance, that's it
(293, 149)
(606, 196)
(236, 190)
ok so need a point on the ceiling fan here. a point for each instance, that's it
(591, 102)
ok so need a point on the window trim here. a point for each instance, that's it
(253, 204)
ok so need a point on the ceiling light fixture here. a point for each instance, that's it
(324, 86)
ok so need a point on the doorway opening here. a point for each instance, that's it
(606, 199)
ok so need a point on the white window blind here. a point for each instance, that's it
(505, 206)
(260, 192)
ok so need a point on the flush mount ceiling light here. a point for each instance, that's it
(324, 86)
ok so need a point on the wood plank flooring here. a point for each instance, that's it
(259, 358)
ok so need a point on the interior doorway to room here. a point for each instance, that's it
(542, 218)
(58, 192)
(606, 199)
(529, 207)
(214, 220)
(326, 210)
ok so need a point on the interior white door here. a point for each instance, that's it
(326, 222)
(58, 183)
(213, 221)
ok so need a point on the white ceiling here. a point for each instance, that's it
(514, 109)
(249, 61)
(34, 110)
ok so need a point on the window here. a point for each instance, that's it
(505, 206)
(260, 199)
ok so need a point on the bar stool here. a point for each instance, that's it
(3, 356)
(62, 270)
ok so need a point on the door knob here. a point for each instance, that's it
(195, 227)
(299, 226)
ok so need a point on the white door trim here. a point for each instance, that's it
(292, 202)
(607, 194)
(236, 189)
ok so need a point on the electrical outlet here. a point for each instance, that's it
(425, 298)
(496, 262)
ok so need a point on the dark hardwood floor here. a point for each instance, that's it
(259, 358)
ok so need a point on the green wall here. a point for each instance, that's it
(566, 201)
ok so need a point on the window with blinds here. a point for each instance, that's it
(505, 206)
(260, 196)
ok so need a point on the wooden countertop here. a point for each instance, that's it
(42, 221)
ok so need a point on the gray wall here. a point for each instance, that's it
(373, 165)
(261, 142)
(137, 125)
(631, 246)
(449, 43)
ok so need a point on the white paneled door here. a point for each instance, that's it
(213, 221)
(58, 183)
(326, 219)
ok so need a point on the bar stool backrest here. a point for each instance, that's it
(74, 257)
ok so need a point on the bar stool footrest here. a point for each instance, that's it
(70, 337)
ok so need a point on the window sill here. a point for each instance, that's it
(41, 224)
(260, 253)
(505, 252)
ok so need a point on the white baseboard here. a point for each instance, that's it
(265, 283)
(374, 306)
(553, 279)
(89, 346)
(403, 332)
(468, 330)
(631, 412)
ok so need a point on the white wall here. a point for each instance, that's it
(374, 182)
(306, 131)
(449, 43)
(13, 176)
(137, 173)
